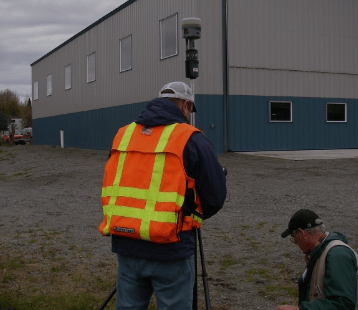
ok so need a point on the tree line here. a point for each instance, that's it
(11, 106)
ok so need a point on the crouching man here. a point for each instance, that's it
(330, 279)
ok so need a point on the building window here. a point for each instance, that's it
(68, 77)
(36, 90)
(91, 67)
(49, 85)
(125, 53)
(336, 112)
(280, 111)
(169, 36)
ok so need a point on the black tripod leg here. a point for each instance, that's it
(109, 297)
(195, 290)
(204, 274)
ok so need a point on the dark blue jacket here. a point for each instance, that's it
(200, 163)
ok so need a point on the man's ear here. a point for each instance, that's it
(303, 232)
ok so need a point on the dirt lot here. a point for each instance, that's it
(50, 209)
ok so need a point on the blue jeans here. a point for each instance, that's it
(171, 281)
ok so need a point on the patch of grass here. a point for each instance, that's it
(227, 262)
(6, 155)
(77, 279)
(224, 238)
(261, 224)
(22, 173)
(286, 254)
(274, 227)
(100, 283)
(58, 268)
(14, 263)
(263, 273)
(254, 244)
(291, 291)
(7, 278)
(70, 302)
(273, 291)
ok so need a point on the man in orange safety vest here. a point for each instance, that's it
(161, 180)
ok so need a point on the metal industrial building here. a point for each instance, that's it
(274, 74)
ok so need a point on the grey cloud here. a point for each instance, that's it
(29, 29)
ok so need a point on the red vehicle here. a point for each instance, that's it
(18, 139)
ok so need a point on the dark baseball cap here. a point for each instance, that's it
(303, 219)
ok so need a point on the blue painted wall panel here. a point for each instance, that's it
(210, 119)
(96, 129)
(249, 125)
(251, 130)
(91, 129)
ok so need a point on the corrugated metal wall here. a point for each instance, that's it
(298, 50)
(112, 88)
(96, 128)
(149, 73)
(303, 51)
(293, 47)
(251, 130)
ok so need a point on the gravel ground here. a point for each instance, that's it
(50, 209)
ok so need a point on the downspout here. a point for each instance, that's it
(225, 73)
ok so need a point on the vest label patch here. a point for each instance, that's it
(147, 131)
(124, 230)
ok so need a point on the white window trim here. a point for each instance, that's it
(120, 54)
(277, 121)
(345, 112)
(49, 89)
(36, 90)
(95, 68)
(161, 37)
(68, 66)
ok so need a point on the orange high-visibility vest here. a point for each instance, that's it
(145, 182)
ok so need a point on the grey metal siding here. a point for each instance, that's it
(111, 88)
(298, 47)
(303, 51)
(75, 109)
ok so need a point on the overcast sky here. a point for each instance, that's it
(29, 29)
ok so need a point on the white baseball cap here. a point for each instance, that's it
(178, 90)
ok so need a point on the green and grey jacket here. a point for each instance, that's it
(340, 278)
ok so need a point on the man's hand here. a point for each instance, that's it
(287, 308)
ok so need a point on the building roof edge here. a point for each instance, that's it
(121, 7)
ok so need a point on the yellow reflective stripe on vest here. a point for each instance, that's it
(153, 192)
(164, 138)
(198, 219)
(141, 194)
(127, 137)
(151, 195)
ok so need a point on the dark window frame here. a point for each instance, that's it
(49, 81)
(330, 116)
(276, 118)
(120, 54)
(176, 53)
(70, 77)
(95, 68)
